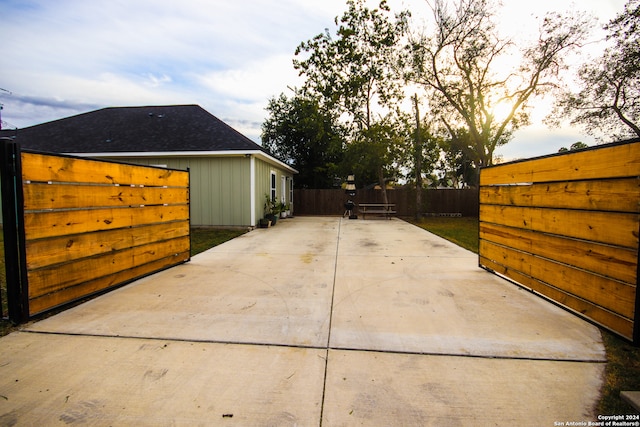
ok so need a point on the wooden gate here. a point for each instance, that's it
(74, 227)
(566, 226)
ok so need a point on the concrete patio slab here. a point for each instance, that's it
(316, 321)
(390, 389)
(430, 297)
(49, 380)
(301, 236)
(394, 237)
(259, 288)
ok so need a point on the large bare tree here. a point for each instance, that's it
(467, 69)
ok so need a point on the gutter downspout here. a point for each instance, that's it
(252, 190)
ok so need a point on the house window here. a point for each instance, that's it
(291, 191)
(283, 190)
(273, 185)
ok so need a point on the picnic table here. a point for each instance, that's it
(385, 209)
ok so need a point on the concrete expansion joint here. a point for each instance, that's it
(327, 347)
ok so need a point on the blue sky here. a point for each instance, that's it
(66, 57)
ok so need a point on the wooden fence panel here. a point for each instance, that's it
(620, 161)
(67, 248)
(43, 224)
(41, 196)
(567, 227)
(435, 201)
(65, 295)
(613, 195)
(610, 261)
(46, 167)
(90, 225)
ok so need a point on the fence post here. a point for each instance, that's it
(13, 230)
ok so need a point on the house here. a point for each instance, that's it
(230, 175)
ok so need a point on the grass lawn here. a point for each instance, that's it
(623, 359)
(205, 238)
(463, 231)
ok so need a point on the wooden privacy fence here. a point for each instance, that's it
(435, 201)
(566, 226)
(74, 227)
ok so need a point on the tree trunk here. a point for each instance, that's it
(383, 184)
(418, 160)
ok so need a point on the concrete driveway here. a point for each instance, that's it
(316, 321)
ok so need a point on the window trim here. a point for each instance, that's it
(273, 184)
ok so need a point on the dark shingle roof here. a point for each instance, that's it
(134, 129)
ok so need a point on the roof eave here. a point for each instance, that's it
(224, 153)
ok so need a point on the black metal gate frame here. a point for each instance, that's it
(13, 230)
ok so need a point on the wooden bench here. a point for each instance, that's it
(385, 209)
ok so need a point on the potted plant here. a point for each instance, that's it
(264, 223)
(271, 209)
(283, 210)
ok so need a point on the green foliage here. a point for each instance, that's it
(462, 231)
(376, 150)
(426, 144)
(355, 75)
(360, 74)
(271, 206)
(458, 163)
(308, 138)
(575, 146)
(203, 238)
(357, 69)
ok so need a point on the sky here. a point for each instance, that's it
(66, 57)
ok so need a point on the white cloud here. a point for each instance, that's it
(255, 80)
(157, 81)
